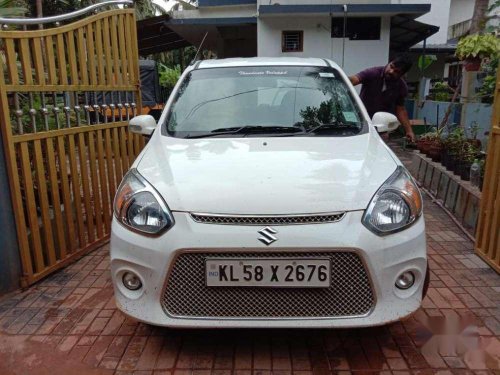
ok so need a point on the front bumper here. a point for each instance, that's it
(384, 259)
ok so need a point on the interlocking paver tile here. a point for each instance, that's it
(150, 353)
(114, 323)
(70, 320)
(97, 351)
(68, 343)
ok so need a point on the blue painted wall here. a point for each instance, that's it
(466, 115)
(434, 112)
(480, 114)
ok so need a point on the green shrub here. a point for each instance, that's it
(477, 45)
(487, 90)
(169, 76)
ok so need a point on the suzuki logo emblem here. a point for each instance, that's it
(267, 235)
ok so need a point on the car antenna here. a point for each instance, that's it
(195, 58)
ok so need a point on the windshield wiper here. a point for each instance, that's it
(333, 126)
(248, 129)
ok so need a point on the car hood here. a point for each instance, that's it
(264, 176)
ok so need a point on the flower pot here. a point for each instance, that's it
(451, 162)
(444, 156)
(426, 145)
(472, 64)
(435, 151)
(448, 161)
(422, 145)
(456, 166)
(465, 170)
(475, 142)
(419, 145)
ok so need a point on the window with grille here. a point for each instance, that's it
(292, 41)
(357, 28)
(454, 74)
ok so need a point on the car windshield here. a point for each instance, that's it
(277, 100)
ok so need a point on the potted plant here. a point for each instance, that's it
(425, 141)
(422, 143)
(473, 48)
(435, 144)
(435, 150)
(453, 145)
(468, 154)
(472, 131)
(487, 90)
(441, 92)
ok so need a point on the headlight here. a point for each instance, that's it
(395, 206)
(139, 207)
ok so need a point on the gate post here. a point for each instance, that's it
(487, 234)
(10, 265)
(65, 148)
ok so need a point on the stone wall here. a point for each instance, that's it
(458, 196)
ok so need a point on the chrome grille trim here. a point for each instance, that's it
(351, 294)
(267, 219)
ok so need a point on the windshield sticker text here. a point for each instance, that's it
(265, 72)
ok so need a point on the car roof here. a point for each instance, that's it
(265, 61)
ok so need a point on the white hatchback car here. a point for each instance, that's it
(266, 198)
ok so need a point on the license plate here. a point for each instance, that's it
(268, 273)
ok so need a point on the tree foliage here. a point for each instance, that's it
(12, 8)
(479, 16)
(147, 8)
(169, 76)
(143, 8)
(478, 45)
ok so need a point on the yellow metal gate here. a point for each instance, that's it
(66, 94)
(488, 233)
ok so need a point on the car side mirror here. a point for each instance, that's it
(142, 124)
(385, 122)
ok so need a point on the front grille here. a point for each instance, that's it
(268, 220)
(349, 294)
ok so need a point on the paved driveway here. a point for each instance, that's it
(68, 324)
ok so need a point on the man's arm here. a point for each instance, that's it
(402, 116)
(355, 80)
(364, 76)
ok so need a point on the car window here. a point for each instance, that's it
(210, 100)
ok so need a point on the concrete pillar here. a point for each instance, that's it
(10, 265)
(468, 93)
(469, 85)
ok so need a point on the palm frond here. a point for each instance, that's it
(12, 12)
(7, 9)
(147, 8)
(159, 9)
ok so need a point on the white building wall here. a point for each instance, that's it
(495, 16)
(217, 12)
(461, 10)
(438, 16)
(359, 54)
(302, 2)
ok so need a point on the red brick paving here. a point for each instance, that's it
(68, 324)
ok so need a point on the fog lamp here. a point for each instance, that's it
(131, 281)
(405, 280)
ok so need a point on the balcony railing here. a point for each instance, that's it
(459, 29)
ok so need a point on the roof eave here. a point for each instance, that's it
(414, 10)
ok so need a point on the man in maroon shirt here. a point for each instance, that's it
(384, 90)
